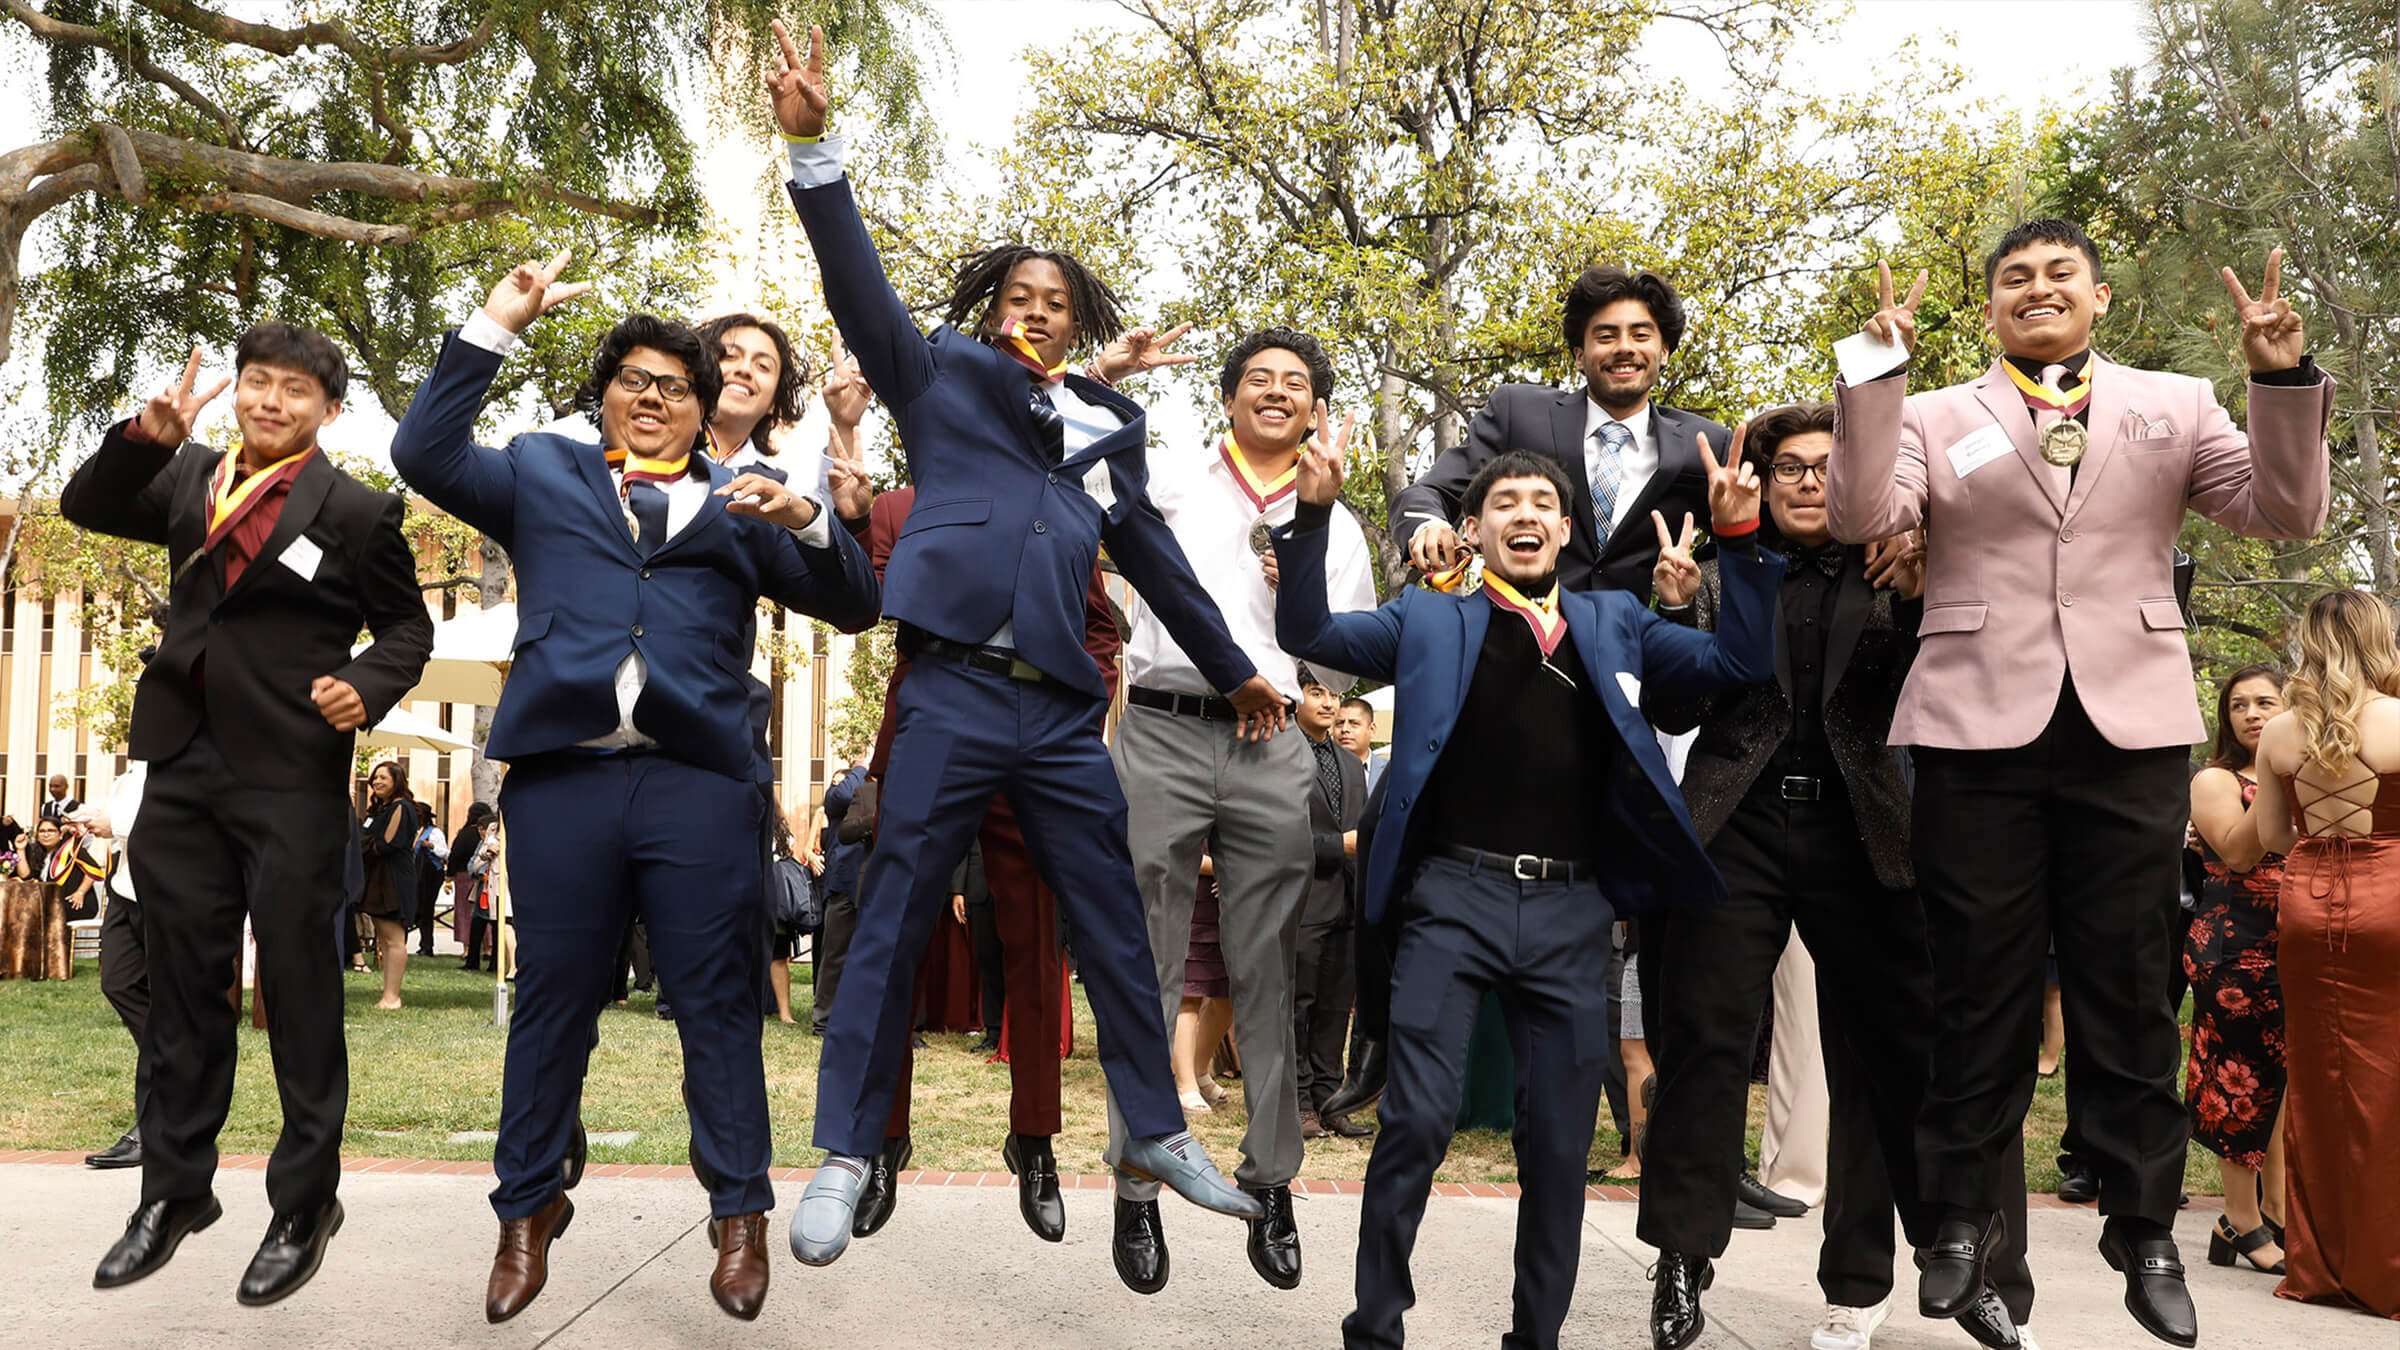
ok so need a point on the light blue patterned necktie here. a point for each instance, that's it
(1608, 474)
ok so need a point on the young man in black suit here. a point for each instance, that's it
(246, 717)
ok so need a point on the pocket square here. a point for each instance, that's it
(2137, 427)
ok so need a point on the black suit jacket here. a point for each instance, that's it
(1872, 641)
(1333, 877)
(1550, 422)
(273, 632)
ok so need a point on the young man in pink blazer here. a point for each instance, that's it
(2051, 709)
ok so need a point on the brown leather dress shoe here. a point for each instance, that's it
(739, 1283)
(522, 1265)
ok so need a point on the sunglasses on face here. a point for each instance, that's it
(672, 388)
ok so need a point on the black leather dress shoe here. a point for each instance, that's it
(1028, 1155)
(1988, 1323)
(579, 1151)
(1139, 1247)
(151, 1236)
(1275, 1239)
(2154, 1289)
(1952, 1275)
(2077, 1185)
(881, 1193)
(1338, 1123)
(1675, 1317)
(289, 1254)
(1364, 1085)
(1747, 1215)
(1754, 1193)
(126, 1152)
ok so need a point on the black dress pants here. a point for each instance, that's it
(2073, 836)
(991, 964)
(829, 953)
(210, 849)
(1786, 864)
(1324, 984)
(125, 982)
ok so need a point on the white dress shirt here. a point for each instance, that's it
(124, 803)
(1637, 462)
(1212, 519)
(685, 497)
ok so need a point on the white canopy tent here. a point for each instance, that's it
(401, 729)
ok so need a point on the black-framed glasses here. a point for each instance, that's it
(1792, 471)
(672, 388)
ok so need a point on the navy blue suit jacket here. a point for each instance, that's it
(586, 598)
(1426, 643)
(998, 533)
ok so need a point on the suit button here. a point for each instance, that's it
(637, 630)
(1054, 478)
(645, 574)
(1432, 744)
(2066, 597)
(1040, 528)
(2066, 536)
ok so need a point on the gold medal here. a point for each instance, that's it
(2064, 441)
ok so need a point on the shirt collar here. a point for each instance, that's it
(2033, 368)
(1637, 422)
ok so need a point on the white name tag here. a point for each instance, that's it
(302, 556)
(1096, 484)
(1978, 448)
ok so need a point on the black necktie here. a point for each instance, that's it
(648, 504)
(1048, 425)
(1329, 774)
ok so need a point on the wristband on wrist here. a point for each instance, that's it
(1749, 526)
(790, 139)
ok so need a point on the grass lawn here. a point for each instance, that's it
(432, 1070)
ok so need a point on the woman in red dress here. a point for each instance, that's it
(2329, 799)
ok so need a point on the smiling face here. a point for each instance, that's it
(1315, 713)
(279, 409)
(1272, 401)
(2045, 298)
(1799, 508)
(752, 367)
(1036, 295)
(46, 834)
(1622, 354)
(379, 783)
(1520, 529)
(648, 423)
(2250, 706)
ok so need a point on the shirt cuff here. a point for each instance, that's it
(2302, 376)
(1310, 516)
(816, 533)
(815, 163)
(483, 331)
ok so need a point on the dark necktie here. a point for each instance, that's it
(1048, 425)
(648, 504)
(1329, 774)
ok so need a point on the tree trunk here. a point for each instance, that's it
(1391, 427)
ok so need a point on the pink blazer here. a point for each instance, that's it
(2024, 589)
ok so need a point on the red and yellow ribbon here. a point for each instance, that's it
(640, 470)
(64, 860)
(1548, 624)
(2066, 402)
(229, 501)
(1262, 492)
(1013, 341)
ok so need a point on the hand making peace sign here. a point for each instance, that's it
(530, 292)
(1675, 577)
(167, 418)
(1895, 322)
(1140, 350)
(798, 91)
(1733, 487)
(1324, 458)
(2271, 333)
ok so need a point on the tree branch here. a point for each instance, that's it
(132, 54)
(286, 41)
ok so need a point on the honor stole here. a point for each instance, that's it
(230, 502)
(636, 469)
(2066, 402)
(1013, 341)
(1541, 615)
(1262, 492)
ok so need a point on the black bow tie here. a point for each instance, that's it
(1826, 560)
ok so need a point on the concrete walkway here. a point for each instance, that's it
(956, 1268)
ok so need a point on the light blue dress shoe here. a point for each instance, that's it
(1178, 1162)
(821, 1227)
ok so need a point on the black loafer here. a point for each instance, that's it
(151, 1237)
(881, 1193)
(1952, 1277)
(2077, 1185)
(1754, 1193)
(1340, 1124)
(1368, 1070)
(1988, 1323)
(1675, 1317)
(1029, 1157)
(126, 1152)
(1139, 1247)
(1747, 1215)
(290, 1253)
(1275, 1240)
(2155, 1292)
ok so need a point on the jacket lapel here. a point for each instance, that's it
(1853, 601)
(1474, 618)
(2007, 407)
(591, 465)
(1677, 456)
(1132, 431)
(2111, 401)
(711, 514)
(300, 505)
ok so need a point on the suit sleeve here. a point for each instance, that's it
(434, 448)
(875, 325)
(1436, 495)
(1349, 582)
(2274, 482)
(1365, 642)
(1741, 651)
(1675, 707)
(386, 569)
(1875, 483)
(833, 581)
(124, 488)
(1146, 552)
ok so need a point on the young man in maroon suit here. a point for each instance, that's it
(2051, 707)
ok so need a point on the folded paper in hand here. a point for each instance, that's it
(1863, 357)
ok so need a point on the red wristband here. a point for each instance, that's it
(135, 434)
(1749, 526)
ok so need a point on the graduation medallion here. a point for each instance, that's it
(1260, 544)
(2064, 441)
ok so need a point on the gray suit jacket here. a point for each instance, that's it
(1333, 877)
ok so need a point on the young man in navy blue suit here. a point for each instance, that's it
(1022, 471)
(626, 724)
(1526, 807)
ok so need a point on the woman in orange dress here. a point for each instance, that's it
(2329, 799)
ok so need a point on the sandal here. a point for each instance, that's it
(2224, 1244)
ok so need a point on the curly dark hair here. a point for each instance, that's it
(982, 276)
(679, 340)
(791, 383)
(1604, 284)
(1310, 351)
(2047, 230)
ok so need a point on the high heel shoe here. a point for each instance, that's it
(2224, 1244)
(1196, 1105)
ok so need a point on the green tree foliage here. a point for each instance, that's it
(851, 728)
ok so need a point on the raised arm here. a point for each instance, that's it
(124, 488)
(1364, 642)
(1875, 484)
(1424, 515)
(1742, 649)
(2275, 482)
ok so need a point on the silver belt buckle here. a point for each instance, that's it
(1801, 788)
(1525, 860)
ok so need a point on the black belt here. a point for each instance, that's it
(1522, 866)
(1206, 707)
(998, 660)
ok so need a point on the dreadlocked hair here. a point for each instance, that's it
(982, 276)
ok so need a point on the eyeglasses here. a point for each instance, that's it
(1789, 471)
(672, 388)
